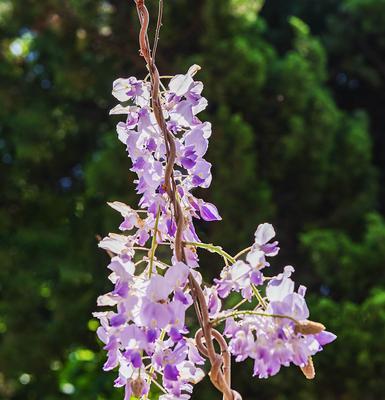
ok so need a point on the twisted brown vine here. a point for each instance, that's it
(220, 373)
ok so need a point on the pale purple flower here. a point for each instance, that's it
(146, 327)
(159, 288)
(279, 287)
(196, 139)
(263, 235)
(155, 315)
(177, 275)
(214, 304)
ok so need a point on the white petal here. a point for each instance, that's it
(106, 300)
(121, 129)
(119, 89)
(124, 209)
(202, 104)
(278, 290)
(206, 127)
(116, 246)
(255, 258)
(119, 109)
(189, 372)
(264, 233)
(180, 84)
(239, 270)
(125, 369)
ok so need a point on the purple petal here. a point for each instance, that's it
(175, 335)
(325, 337)
(117, 320)
(197, 180)
(151, 145)
(171, 373)
(209, 212)
(136, 359)
(188, 162)
(256, 277)
(171, 227)
(151, 335)
(128, 223)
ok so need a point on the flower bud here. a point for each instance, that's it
(308, 370)
(137, 386)
(309, 327)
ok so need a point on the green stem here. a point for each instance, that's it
(213, 249)
(242, 252)
(140, 262)
(251, 312)
(258, 296)
(239, 304)
(158, 385)
(154, 244)
(140, 248)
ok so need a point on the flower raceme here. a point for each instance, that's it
(145, 332)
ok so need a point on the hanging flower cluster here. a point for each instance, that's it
(145, 334)
(147, 149)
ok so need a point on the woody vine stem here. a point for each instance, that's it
(220, 373)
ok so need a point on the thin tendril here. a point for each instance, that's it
(251, 312)
(157, 31)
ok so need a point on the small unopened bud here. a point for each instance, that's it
(194, 69)
(309, 327)
(137, 386)
(308, 370)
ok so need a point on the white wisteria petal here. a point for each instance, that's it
(119, 109)
(123, 208)
(115, 245)
(264, 233)
(180, 84)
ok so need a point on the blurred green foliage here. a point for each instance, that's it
(296, 94)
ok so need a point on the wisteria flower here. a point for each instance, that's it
(143, 325)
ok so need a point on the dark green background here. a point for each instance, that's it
(296, 95)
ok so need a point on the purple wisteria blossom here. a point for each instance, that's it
(143, 321)
(269, 335)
